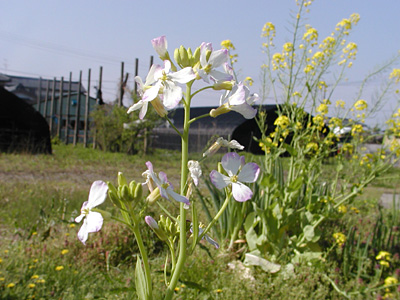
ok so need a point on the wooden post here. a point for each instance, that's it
(39, 95)
(136, 74)
(99, 88)
(151, 60)
(78, 111)
(53, 93)
(46, 100)
(121, 85)
(66, 132)
(87, 108)
(60, 107)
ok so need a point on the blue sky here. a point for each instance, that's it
(52, 38)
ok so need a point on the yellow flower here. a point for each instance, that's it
(2, 279)
(355, 209)
(323, 109)
(360, 105)
(268, 30)
(31, 285)
(40, 281)
(72, 225)
(390, 281)
(310, 34)
(227, 44)
(6, 251)
(35, 277)
(384, 263)
(218, 291)
(395, 74)
(11, 285)
(248, 80)
(59, 268)
(34, 233)
(176, 289)
(1, 260)
(342, 209)
(357, 128)
(64, 251)
(340, 238)
(282, 121)
(383, 255)
(340, 103)
(288, 47)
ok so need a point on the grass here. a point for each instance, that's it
(41, 258)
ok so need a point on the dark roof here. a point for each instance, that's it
(229, 120)
(31, 85)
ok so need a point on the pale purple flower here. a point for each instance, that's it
(238, 172)
(215, 60)
(92, 221)
(239, 100)
(206, 237)
(165, 80)
(160, 45)
(161, 181)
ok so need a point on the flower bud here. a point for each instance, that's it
(177, 56)
(223, 109)
(121, 179)
(184, 57)
(154, 196)
(223, 85)
(159, 107)
(113, 194)
(132, 187)
(154, 226)
(138, 192)
(196, 56)
(123, 192)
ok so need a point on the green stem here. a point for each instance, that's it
(184, 173)
(145, 260)
(217, 216)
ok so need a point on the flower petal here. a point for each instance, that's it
(94, 221)
(211, 241)
(97, 194)
(183, 76)
(231, 163)
(83, 233)
(151, 93)
(177, 197)
(241, 192)
(249, 173)
(246, 110)
(217, 58)
(220, 181)
(220, 76)
(160, 45)
(79, 218)
(143, 110)
(172, 95)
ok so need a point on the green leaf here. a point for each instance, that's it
(249, 221)
(295, 184)
(268, 180)
(140, 281)
(290, 149)
(308, 232)
(267, 266)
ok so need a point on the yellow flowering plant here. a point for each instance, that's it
(291, 206)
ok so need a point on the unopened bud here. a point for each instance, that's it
(113, 194)
(223, 85)
(154, 196)
(138, 192)
(121, 179)
(223, 109)
(196, 56)
(154, 226)
(159, 107)
(184, 57)
(177, 56)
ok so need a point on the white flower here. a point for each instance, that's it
(194, 170)
(215, 60)
(160, 45)
(239, 100)
(238, 172)
(92, 220)
(165, 80)
(221, 142)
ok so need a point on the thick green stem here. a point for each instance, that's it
(184, 173)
